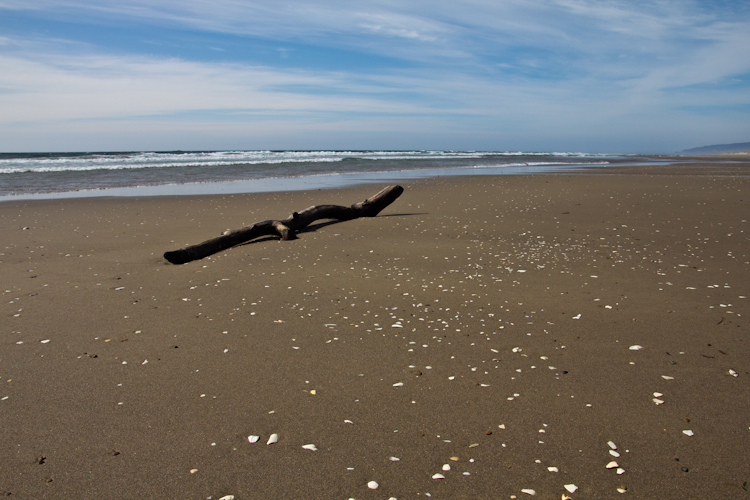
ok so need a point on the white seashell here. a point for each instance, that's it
(577, 317)
(528, 492)
(733, 373)
(398, 384)
(348, 422)
(310, 447)
(657, 401)
(253, 439)
(571, 488)
(621, 490)
(620, 470)
(614, 453)
(438, 476)
(446, 467)
(44, 341)
(635, 347)
(227, 497)
(612, 445)
(273, 439)
(372, 485)
(658, 394)
(612, 465)
(395, 459)
(553, 469)
(688, 432)
(667, 377)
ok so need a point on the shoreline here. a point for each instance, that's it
(715, 165)
(483, 322)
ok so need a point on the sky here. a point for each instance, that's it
(643, 76)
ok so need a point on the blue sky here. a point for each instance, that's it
(556, 75)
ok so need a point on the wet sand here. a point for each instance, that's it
(486, 323)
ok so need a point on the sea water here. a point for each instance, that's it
(46, 175)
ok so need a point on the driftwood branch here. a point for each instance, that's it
(286, 229)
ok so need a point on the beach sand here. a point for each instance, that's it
(486, 323)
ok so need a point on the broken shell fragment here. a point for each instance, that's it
(571, 488)
(446, 467)
(528, 491)
(273, 439)
(253, 439)
(310, 447)
(612, 465)
(438, 476)
(635, 347)
(372, 485)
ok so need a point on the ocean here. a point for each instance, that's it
(60, 175)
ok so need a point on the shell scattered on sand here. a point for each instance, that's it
(273, 439)
(253, 439)
(372, 485)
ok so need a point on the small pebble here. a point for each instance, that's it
(372, 485)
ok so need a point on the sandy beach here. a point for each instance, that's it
(483, 338)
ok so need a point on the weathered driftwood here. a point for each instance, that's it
(286, 229)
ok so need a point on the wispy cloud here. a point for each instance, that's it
(564, 70)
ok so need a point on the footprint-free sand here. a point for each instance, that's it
(515, 335)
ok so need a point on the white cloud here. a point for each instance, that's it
(481, 68)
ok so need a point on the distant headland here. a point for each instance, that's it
(717, 149)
